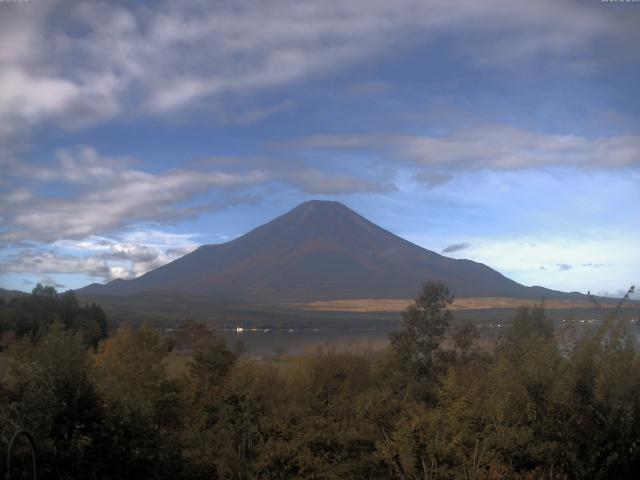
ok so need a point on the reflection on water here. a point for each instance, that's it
(299, 341)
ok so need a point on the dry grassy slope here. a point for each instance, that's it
(471, 303)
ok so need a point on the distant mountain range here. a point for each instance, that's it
(320, 250)
(7, 295)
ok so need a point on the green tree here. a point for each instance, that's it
(32, 315)
(212, 361)
(143, 407)
(47, 390)
(417, 348)
(329, 432)
(232, 424)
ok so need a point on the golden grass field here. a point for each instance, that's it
(399, 304)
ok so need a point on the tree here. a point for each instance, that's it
(44, 291)
(143, 407)
(227, 426)
(529, 323)
(212, 361)
(33, 315)
(417, 347)
(189, 332)
(48, 391)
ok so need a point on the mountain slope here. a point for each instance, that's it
(318, 251)
(7, 295)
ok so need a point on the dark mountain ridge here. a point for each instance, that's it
(320, 250)
(7, 295)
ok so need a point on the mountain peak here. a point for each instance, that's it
(324, 205)
(328, 222)
(321, 207)
(320, 250)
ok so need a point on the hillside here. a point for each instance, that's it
(320, 250)
(7, 295)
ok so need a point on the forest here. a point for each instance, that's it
(537, 402)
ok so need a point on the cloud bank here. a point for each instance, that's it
(491, 147)
(76, 63)
(106, 194)
(102, 258)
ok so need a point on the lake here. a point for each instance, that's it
(299, 341)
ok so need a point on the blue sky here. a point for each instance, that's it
(504, 132)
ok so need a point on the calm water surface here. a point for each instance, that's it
(300, 341)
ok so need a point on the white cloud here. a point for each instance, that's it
(105, 258)
(98, 59)
(508, 148)
(496, 147)
(105, 194)
(50, 262)
(31, 97)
